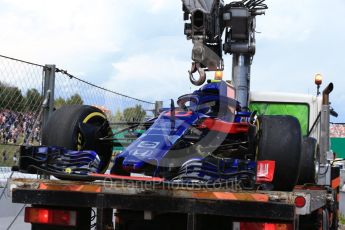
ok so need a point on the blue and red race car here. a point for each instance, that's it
(206, 139)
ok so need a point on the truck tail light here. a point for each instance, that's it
(264, 226)
(265, 171)
(300, 201)
(50, 216)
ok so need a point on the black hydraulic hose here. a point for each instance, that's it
(314, 124)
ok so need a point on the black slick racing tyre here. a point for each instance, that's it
(279, 139)
(309, 161)
(78, 127)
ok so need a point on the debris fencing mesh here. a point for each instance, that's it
(20, 102)
(119, 108)
(21, 99)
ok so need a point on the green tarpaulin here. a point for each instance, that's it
(300, 111)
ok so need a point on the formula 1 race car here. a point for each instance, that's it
(202, 139)
(207, 138)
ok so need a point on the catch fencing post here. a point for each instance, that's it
(48, 92)
(48, 101)
(158, 107)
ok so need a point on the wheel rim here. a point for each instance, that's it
(96, 119)
(317, 163)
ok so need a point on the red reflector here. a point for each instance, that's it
(50, 216)
(300, 202)
(265, 171)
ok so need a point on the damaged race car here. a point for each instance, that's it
(207, 139)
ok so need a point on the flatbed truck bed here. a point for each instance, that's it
(192, 203)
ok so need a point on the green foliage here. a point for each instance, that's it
(33, 100)
(59, 102)
(118, 116)
(134, 114)
(75, 99)
(12, 98)
(341, 219)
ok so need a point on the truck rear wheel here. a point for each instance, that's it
(280, 140)
(77, 127)
(309, 161)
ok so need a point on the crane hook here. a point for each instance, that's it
(196, 67)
